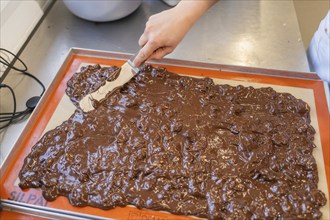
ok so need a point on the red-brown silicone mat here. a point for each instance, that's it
(39, 120)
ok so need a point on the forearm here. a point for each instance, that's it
(193, 9)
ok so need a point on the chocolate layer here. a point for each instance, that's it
(187, 146)
(88, 80)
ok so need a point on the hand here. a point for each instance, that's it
(165, 30)
(162, 34)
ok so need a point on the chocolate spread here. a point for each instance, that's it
(88, 80)
(186, 146)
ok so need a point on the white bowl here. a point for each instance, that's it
(102, 10)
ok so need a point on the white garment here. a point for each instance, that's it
(319, 50)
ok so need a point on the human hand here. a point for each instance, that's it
(165, 30)
(162, 34)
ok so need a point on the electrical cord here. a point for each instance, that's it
(7, 118)
(14, 111)
(24, 71)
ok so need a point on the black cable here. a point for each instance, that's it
(30, 36)
(7, 63)
(9, 117)
(6, 118)
(15, 118)
(14, 98)
(24, 71)
(10, 113)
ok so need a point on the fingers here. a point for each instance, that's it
(145, 53)
(161, 52)
(157, 54)
(143, 39)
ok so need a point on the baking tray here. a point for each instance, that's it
(56, 107)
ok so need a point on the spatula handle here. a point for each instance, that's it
(136, 69)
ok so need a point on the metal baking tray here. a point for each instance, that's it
(55, 107)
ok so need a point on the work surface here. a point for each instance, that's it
(246, 33)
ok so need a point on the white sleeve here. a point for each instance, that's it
(319, 50)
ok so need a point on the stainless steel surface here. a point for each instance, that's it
(249, 33)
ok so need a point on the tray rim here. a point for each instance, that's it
(201, 65)
(123, 56)
(46, 212)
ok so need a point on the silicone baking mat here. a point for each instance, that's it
(55, 107)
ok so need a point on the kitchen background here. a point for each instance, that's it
(19, 17)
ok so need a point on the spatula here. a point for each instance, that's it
(127, 72)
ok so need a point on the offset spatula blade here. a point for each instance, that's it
(128, 70)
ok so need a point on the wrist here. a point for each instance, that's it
(191, 11)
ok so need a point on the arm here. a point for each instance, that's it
(165, 30)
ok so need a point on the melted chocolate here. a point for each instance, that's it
(88, 80)
(187, 146)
